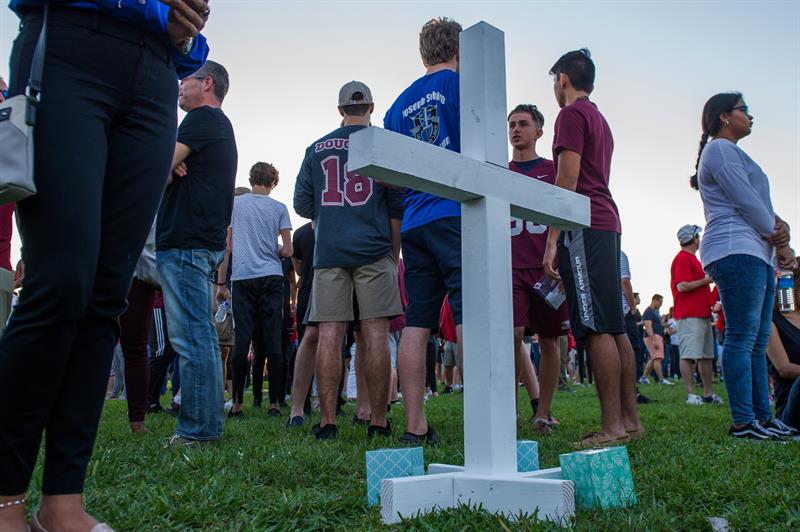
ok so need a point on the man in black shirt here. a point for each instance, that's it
(190, 244)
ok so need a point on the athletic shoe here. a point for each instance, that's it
(693, 399)
(643, 399)
(541, 426)
(174, 409)
(714, 399)
(448, 389)
(377, 430)
(667, 383)
(777, 430)
(180, 441)
(274, 412)
(228, 405)
(751, 431)
(458, 387)
(413, 440)
(295, 422)
(328, 432)
(644, 380)
(154, 409)
(236, 415)
(783, 426)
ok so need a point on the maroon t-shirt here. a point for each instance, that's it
(6, 232)
(528, 239)
(581, 128)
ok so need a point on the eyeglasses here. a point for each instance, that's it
(742, 108)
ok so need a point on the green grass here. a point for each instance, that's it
(263, 477)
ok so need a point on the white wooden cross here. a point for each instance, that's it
(489, 193)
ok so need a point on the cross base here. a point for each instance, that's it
(448, 486)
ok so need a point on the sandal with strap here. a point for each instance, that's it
(601, 439)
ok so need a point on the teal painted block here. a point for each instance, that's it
(602, 478)
(391, 463)
(527, 456)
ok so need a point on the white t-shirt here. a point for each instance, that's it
(257, 221)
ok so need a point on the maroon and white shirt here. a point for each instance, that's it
(529, 239)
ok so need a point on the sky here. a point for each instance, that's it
(657, 64)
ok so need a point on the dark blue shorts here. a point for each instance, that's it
(432, 257)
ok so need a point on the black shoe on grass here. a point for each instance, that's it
(377, 430)
(415, 440)
(328, 432)
(295, 422)
(358, 421)
(751, 431)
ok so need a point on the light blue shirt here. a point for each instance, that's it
(738, 209)
(257, 221)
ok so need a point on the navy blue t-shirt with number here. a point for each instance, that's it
(428, 110)
(653, 315)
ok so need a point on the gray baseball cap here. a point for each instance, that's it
(354, 93)
(687, 233)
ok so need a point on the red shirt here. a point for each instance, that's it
(6, 232)
(581, 128)
(694, 304)
(528, 239)
(447, 327)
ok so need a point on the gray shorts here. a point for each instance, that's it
(451, 357)
(695, 338)
(394, 343)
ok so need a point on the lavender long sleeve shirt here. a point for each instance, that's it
(738, 209)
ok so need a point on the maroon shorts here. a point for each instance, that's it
(531, 310)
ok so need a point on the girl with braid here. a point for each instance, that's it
(742, 243)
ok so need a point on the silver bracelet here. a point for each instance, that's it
(16, 502)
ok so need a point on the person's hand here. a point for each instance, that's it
(786, 258)
(180, 170)
(3, 87)
(549, 261)
(780, 237)
(717, 307)
(186, 19)
(19, 275)
(223, 294)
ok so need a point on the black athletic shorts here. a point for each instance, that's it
(432, 259)
(588, 261)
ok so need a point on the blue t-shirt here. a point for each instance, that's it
(428, 110)
(651, 314)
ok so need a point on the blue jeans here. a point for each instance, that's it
(791, 412)
(186, 280)
(747, 290)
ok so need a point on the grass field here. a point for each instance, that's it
(263, 477)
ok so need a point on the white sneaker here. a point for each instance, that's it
(716, 399)
(228, 405)
(693, 399)
(457, 387)
(666, 382)
(644, 380)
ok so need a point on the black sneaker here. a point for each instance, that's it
(328, 432)
(751, 431)
(793, 432)
(236, 415)
(295, 422)
(644, 400)
(782, 432)
(154, 409)
(448, 389)
(174, 409)
(274, 412)
(358, 421)
(377, 430)
(413, 440)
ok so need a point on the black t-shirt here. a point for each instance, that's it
(303, 246)
(789, 336)
(196, 209)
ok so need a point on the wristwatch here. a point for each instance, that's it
(186, 46)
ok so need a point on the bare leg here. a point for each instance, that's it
(607, 372)
(687, 374)
(393, 385)
(411, 372)
(362, 372)
(627, 358)
(65, 512)
(13, 517)
(304, 364)
(448, 375)
(549, 369)
(377, 366)
(706, 367)
(329, 368)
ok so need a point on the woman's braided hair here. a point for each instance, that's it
(711, 123)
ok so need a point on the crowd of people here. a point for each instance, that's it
(197, 281)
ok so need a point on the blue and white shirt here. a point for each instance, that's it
(256, 222)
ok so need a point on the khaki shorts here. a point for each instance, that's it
(451, 356)
(375, 286)
(695, 338)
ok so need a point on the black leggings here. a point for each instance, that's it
(162, 356)
(103, 145)
(258, 318)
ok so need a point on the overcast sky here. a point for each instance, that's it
(657, 64)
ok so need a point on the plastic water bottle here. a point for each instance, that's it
(785, 291)
(222, 311)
